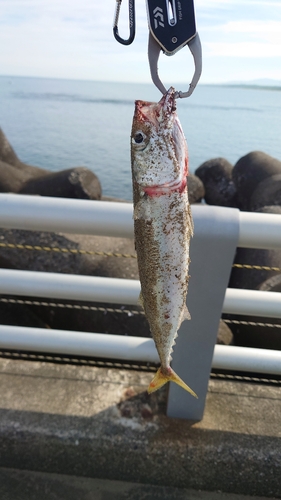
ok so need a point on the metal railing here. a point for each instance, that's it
(122, 291)
(217, 233)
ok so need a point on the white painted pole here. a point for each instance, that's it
(69, 287)
(129, 348)
(43, 213)
(121, 291)
(78, 343)
(252, 303)
(257, 230)
(247, 359)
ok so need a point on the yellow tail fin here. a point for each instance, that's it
(161, 379)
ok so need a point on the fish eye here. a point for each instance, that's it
(139, 138)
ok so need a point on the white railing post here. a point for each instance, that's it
(216, 233)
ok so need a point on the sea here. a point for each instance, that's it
(59, 124)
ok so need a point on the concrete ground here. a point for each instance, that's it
(99, 423)
(27, 485)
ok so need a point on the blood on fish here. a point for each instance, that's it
(183, 185)
(162, 190)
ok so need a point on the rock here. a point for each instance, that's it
(117, 200)
(272, 284)
(8, 155)
(196, 191)
(225, 335)
(216, 175)
(249, 171)
(11, 178)
(13, 173)
(77, 182)
(270, 209)
(267, 192)
(18, 177)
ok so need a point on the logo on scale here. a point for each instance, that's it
(158, 17)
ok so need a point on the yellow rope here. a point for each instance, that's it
(233, 376)
(112, 254)
(76, 251)
(66, 250)
(259, 268)
(129, 312)
(251, 323)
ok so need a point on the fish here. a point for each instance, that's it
(163, 224)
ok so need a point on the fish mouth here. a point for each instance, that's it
(156, 113)
(168, 101)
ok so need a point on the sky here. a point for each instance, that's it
(73, 39)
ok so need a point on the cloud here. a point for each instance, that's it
(243, 49)
(252, 39)
(262, 29)
(252, 26)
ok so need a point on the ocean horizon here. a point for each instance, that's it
(59, 124)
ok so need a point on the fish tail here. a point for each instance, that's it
(161, 379)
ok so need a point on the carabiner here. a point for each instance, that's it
(132, 22)
(171, 27)
(153, 55)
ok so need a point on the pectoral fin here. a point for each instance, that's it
(185, 314)
(140, 300)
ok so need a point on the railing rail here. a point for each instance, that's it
(218, 231)
(122, 291)
(130, 348)
(38, 213)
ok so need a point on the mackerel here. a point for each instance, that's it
(163, 224)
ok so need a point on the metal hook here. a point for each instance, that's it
(196, 51)
(153, 55)
(132, 22)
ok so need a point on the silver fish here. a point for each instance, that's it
(163, 224)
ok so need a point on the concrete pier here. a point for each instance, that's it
(100, 424)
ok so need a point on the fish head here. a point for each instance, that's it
(158, 146)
